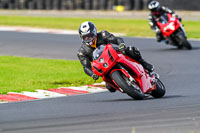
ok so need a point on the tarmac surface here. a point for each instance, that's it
(177, 112)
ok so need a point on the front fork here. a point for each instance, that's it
(130, 79)
(126, 73)
(132, 82)
(182, 28)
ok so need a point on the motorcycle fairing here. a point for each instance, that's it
(108, 58)
(112, 58)
(170, 27)
(139, 74)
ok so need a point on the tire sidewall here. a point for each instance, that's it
(121, 82)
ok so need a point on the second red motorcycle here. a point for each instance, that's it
(173, 31)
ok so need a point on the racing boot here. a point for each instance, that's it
(146, 65)
(134, 53)
(159, 37)
(110, 88)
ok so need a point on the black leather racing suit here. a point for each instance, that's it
(85, 52)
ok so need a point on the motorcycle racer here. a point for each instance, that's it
(156, 11)
(91, 39)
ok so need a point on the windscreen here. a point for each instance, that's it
(163, 19)
(98, 51)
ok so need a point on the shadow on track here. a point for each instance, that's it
(165, 97)
(172, 49)
(149, 98)
(195, 48)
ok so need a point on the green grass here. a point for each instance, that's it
(27, 74)
(131, 27)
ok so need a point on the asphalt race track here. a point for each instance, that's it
(177, 112)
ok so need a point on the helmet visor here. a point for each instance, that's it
(156, 13)
(88, 37)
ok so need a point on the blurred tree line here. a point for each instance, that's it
(95, 4)
(72, 4)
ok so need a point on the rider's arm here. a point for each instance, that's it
(152, 22)
(85, 61)
(110, 38)
(167, 10)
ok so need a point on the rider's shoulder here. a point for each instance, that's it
(105, 33)
(83, 50)
(84, 47)
(163, 7)
(150, 15)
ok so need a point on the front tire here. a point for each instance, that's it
(122, 81)
(160, 89)
(183, 41)
(187, 45)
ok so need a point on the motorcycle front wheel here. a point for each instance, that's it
(184, 42)
(160, 89)
(131, 89)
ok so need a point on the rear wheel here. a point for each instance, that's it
(160, 89)
(180, 47)
(130, 88)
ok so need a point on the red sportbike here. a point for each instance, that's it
(125, 74)
(173, 31)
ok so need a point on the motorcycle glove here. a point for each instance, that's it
(174, 15)
(122, 47)
(95, 77)
(157, 30)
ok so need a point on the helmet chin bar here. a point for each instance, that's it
(90, 43)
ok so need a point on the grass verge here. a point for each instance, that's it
(131, 27)
(27, 74)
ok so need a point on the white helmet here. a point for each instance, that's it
(88, 32)
(154, 6)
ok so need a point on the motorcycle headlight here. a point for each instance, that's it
(105, 65)
(101, 60)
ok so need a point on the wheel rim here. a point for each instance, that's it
(133, 85)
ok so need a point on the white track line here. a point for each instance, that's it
(42, 94)
(86, 88)
(43, 30)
